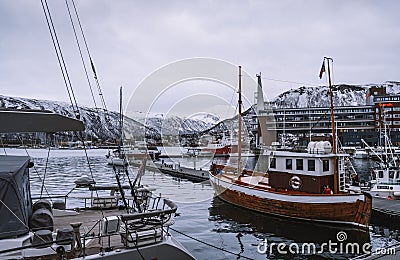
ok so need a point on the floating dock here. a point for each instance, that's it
(175, 170)
(385, 211)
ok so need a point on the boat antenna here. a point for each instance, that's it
(240, 121)
(335, 169)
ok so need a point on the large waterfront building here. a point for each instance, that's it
(353, 123)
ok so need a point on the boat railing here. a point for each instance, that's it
(53, 198)
(389, 182)
(233, 170)
(94, 200)
(134, 229)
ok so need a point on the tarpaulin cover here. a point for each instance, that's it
(15, 197)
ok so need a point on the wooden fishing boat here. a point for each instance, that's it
(293, 185)
(292, 193)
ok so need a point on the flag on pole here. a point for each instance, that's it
(321, 72)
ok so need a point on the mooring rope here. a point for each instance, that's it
(210, 245)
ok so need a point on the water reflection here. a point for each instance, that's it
(202, 216)
(280, 230)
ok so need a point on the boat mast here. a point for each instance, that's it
(240, 121)
(335, 170)
(121, 119)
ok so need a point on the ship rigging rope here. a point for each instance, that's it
(103, 103)
(319, 119)
(60, 57)
(67, 80)
(45, 170)
(210, 245)
(80, 53)
(23, 223)
(34, 166)
(80, 136)
(292, 82)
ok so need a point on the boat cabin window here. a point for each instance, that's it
(272, 163)
(299, 164)
(325, 165)
(397, 174)
(311, 165)
(391, 174)
(380, 174)
(288, 164)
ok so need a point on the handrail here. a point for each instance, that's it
(133, 216)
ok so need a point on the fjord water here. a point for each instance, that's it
(248, 234)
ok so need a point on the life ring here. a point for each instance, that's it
(295, 182)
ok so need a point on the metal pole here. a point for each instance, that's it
(335, 169)
(240, 121)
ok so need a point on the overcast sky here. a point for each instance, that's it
(128, 40)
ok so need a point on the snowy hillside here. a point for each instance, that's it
(392, 87)
(344, 95)
(172, 125)
(95, 122)
(99, 128)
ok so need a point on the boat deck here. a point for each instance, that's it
(97, 241)
(90, 225)
(88, 217)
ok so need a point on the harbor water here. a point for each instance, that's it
(208, 227)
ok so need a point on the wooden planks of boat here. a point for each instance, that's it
(251, 190)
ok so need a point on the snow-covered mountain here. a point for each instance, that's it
(99, 126)
(173, 125)
(344, 95)
(156, 126)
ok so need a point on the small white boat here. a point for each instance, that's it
(219, 147)
(360, 153)
(116, 158)
(385, 182)
(385, 176)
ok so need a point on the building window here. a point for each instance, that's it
(325, 165)
(288, 164)
(311, 165)
(272, 163)
(299, 164)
